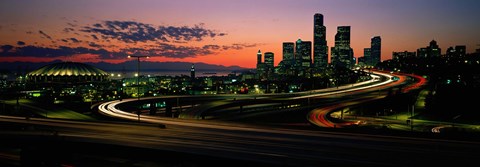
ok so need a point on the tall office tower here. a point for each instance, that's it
(367, 54)
(260, 65)
(303, 54)
(342, 53)
(288, 53)
(434, 50)
(192, 72)
(269, 60)
(320, 48)
(376, 50)
(259, 57)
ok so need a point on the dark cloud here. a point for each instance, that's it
(131, 31)
(44, 34)
(163, 41)
(68, 29)
(37, 51)
(94, 37)
(97, 25)
(72, 25)
(74, 40)
(239, 46)
(93, 44)
(172, 51)
(164, 50)
(213, 47)
(6, 48)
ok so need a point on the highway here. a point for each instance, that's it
(229, 143)
(111, 109)
(268, 146)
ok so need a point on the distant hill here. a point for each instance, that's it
(128, 66)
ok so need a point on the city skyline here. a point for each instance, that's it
(223, 33)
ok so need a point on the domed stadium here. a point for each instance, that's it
(67, 72)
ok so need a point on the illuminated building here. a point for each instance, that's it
(430, 51)
(192, 72)
(458, 52)
(397, 56)
(68, 81)
(303, 53)
(288, 53)
(367, 56)
(269, 63)
(342, 53)
(67, 72)
(376, 51)
(269, 60)
(320, 48)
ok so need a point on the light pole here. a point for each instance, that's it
(138, 81)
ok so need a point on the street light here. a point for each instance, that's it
(138, 81)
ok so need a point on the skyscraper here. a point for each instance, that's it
(269, 60)
(192, 72)
(260, 65)
(342, 53)
(434, 50)
(376, 50)
(259, 58)
(367, 54)
(303, 54)
(320, 48)
(288, 54)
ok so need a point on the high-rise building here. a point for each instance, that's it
(376, 50)
(269, 64)
(342, 53)
(303, 54)
(320, 48)
(288, 53)
(259, 58)
(269, 60)
(192, 72)
(434, 50)
(367, 54)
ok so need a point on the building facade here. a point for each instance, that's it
(320, 48)
(342, 53)
(376, 50)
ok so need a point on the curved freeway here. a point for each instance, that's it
(320, 116)
(234, 141)
(111, 109)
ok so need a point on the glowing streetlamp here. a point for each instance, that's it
(138, 80)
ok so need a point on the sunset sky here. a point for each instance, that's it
(224, 32)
